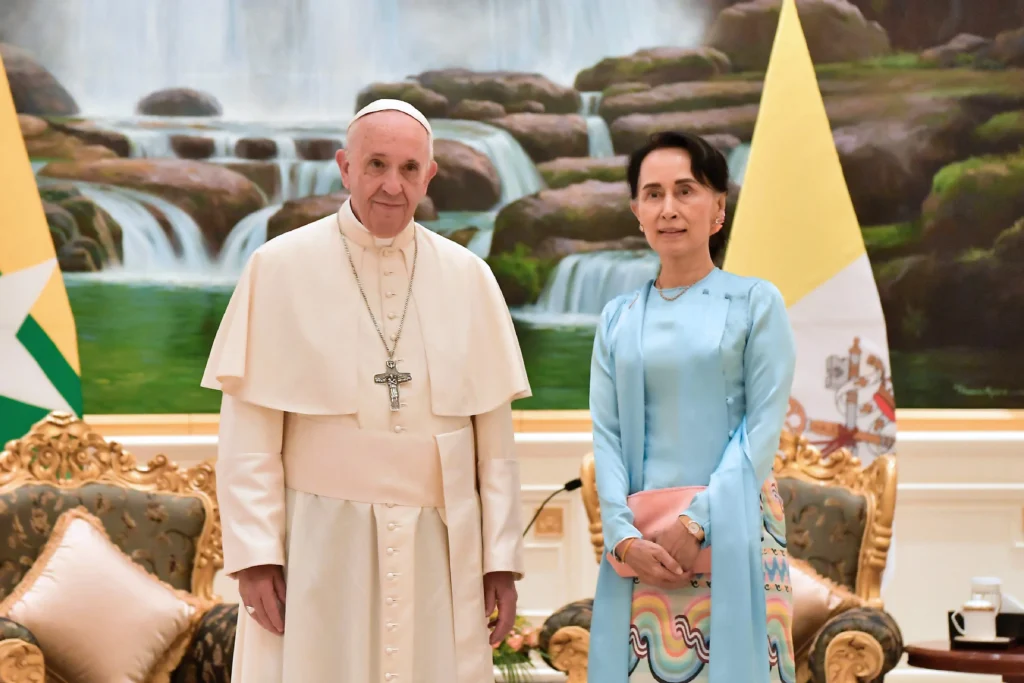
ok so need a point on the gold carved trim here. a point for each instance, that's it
(568, 651)
(21, 662)
(63, 451)
(797, 459)
(590, 503)
(852, 657)
(547, 421)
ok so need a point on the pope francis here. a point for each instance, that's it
(366, 476)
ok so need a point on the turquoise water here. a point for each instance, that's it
(144, 346)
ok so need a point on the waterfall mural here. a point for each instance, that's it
(171, 138)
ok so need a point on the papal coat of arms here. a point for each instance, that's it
(861, 385)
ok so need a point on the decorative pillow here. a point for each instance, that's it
(98, 616)
(816, 599)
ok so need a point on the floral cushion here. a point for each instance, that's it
(157, 530)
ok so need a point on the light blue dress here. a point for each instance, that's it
(694, 391)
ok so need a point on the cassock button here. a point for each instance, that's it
(392, 316)
(394, 337)
(390, 601)
(391, 551)
(387, 272)
(728, 399)
(392, 526)
(389, 294)
(731, 432)
(398, 428)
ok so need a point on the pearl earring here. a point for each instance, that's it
(641, 227)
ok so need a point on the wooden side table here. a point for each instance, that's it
(938, 656)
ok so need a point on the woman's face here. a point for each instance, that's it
(677, 213)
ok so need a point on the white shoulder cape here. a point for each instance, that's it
(287, 339)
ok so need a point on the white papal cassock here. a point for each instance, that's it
(385, 521)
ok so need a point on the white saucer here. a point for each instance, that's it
(996, 640)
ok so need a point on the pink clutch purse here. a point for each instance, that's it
(653, 511)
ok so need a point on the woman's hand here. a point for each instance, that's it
(653, 565)
(678, 542)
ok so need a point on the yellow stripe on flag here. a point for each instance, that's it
(795, 224)
(24, 235)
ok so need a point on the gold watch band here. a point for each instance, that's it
(693, 527)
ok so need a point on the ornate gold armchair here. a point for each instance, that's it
(839, 519)
(164, 517)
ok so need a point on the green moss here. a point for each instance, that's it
(558, 178)
(897, 61)
(974, 255)
(891, 236)
(624, 88)
(520, 275)
(1009, 245)
(1003, 129)
(955, 174)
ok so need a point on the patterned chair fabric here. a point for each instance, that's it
(825, 527)
(208, 659)
(157, 530)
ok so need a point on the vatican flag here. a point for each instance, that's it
(39, 369)
(795, 226)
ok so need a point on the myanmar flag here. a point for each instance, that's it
(39, 369)
(795, 225)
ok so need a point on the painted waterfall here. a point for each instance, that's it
(171, 138)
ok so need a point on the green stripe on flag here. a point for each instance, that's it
(52, 362)
(16, 418)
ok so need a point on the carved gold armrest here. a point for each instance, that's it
(857, 646)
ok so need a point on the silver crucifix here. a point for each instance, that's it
(392, 377)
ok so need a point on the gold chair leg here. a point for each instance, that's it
(569, 649)
(853, 657)
(21, 662)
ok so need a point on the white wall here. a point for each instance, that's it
(960, 513)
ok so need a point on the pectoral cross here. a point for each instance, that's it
(392, 377)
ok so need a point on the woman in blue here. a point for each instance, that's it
(690, 383)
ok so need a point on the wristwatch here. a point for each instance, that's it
(693, 527)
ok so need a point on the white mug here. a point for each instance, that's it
(979, 618)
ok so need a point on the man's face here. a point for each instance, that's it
(386, 167)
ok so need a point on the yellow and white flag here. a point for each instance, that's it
(795, 225)
(39, 369)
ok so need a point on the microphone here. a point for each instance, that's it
(570, 485)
